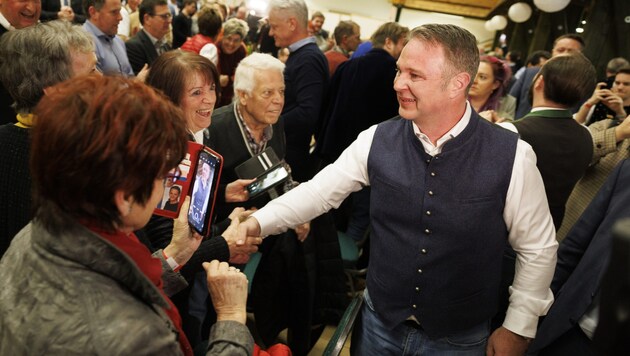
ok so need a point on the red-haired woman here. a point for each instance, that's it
(488, 95)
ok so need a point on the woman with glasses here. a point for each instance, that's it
(488, 95)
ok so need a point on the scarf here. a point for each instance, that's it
(152, 268)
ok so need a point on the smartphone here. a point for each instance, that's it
(268, 180)
(203, 196)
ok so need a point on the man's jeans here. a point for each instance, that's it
(371, 337)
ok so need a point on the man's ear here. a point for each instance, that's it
(458, 84)
(388, 44)
(123, 202)
(293, 24)
(242, 96)
(92, 11)
(539, 83)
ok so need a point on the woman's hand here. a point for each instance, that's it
(228, 289)
(184, 242)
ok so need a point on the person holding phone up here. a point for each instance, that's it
(607, 103)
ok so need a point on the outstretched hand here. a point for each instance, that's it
(241, 245)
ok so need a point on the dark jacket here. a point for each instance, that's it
(306, 78)
(360, 95)
(583, 257)
(74, 290)
(140, 51)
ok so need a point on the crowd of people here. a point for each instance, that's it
(487, 187)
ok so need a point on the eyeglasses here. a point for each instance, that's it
(167, 16)
(173, 175)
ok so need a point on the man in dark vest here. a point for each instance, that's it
(563, 147)
(448, 190)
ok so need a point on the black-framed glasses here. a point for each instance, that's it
(167, 16)
(173, 175)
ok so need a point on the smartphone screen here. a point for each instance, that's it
(202, 192)
(268, 180)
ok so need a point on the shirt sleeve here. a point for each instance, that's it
(124, 25)
(604, 139)
(532, 236)
(325, 191)
(210, 51)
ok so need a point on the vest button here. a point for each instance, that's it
(424, 251)
(414, 306)
(428, 161)
(427, 231)
(432, 174)
(419, 270)
(418, 289)
(428, 212)
(430, 192)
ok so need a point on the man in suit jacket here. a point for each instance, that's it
(520, 90)
(582, 260)
(69, 10)
(149, 43)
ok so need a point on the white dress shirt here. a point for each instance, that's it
(526, 214)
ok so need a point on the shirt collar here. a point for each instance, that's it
(539, 108)
(267, 132)
(301, 43)
(153, 39)
(452, 133)
(5, 23)
(341, 50)
(97, 31)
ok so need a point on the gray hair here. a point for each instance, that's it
(295, 8)
(37, 57)
(459, 46)
(244, 77)
(235, 26)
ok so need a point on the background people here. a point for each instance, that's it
(86, 240)
(488, 94)
(32, 60)
(231, 52)
(306, 76)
